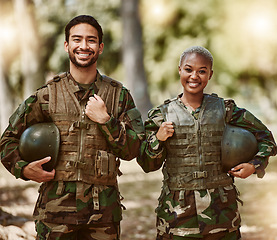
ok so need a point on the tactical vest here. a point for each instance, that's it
(84, 154)
(193, 152)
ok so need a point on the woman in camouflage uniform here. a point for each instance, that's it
(198, 200)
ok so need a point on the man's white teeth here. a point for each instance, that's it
(83, 54)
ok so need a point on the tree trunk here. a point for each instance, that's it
(6, 100)
(132, 51)
(30, 47)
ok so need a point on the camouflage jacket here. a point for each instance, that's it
(74, 202)
(200, 212)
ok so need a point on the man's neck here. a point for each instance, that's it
(83, 75)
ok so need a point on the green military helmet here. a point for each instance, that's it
(238, 146)
(39, 141)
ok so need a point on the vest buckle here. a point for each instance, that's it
(197, 175)
(81, 125)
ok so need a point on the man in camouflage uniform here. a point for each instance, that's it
(98, 123)
(198, 200)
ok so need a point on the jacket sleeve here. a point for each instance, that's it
(27, 114)
(152, 151)
(124, 134)
(241, 117)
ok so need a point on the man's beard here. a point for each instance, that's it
(84, 65)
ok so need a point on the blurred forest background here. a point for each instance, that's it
(143, 42)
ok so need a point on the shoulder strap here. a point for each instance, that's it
(164, 107)
(215, 97)
(109, 91)
(58, 86)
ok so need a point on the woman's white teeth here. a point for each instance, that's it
(193, 84)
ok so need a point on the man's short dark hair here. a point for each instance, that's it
(84, 19)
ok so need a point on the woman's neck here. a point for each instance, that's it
(192, 101)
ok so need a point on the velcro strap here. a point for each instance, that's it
(60, 188)
(182, 200)
(95, 197)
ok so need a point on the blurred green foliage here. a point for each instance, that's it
(54, 15)
(240, 34)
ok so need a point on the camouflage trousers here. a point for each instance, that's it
(224, 235)
(49, 231)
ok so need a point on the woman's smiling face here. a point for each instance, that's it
(195, 72)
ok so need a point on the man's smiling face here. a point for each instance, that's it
(83, 45)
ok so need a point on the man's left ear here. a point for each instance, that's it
(101, 48)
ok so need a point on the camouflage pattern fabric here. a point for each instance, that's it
(221, 235)
(74, 202)
(49, 231)
(203, 213)
(78, 203)
(199, 213)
